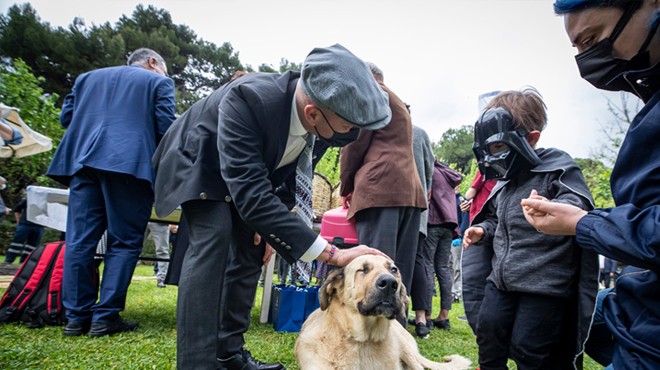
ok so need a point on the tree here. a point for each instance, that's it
(59, 55)
(597, 176)
(614, 131)
(455, 147)
(20, 88)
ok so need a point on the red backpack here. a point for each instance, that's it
(35, 294)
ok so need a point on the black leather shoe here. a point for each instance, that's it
(100, 329)
(76, 328)
(244, 361)
(442, 324)
(422, 330)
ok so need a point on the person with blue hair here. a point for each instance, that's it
(618, 46)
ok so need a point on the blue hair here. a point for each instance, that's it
(570, 6)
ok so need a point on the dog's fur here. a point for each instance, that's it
(354, 328)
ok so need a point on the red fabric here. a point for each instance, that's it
(483, 188)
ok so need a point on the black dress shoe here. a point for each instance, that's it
(76, 328)
(244, 361)
(442, 324)
(100, 329)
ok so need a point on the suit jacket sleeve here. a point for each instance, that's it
(164, 107)
(244, 171)
(67, 108)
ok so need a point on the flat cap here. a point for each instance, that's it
(336, 79)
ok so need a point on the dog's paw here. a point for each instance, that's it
(457, 362)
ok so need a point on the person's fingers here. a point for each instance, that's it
(537, 205)
(257, 239)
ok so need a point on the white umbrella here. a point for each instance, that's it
(33, 142)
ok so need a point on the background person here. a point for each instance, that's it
(618, 46)
(381, 188)
(160, 234)
(423, 154)
(26, 237)
(114, 118)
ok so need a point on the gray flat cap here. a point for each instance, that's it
(336, 79)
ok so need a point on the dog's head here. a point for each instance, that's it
(369, 284)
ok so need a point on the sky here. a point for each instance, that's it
(437, 55)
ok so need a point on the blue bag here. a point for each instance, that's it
(290, 306)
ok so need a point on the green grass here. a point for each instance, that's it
(153, 345)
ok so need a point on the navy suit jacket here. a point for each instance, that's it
(226, 148)
(115, 118)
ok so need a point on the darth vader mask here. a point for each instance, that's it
(501, 150)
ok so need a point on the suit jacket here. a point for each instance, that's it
(226, 147)
(379, 168)
(115, 118)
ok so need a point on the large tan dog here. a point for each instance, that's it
(354, 328)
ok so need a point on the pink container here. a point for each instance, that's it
(337, 230)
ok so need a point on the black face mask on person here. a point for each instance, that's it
(337, 139)
(599, 67)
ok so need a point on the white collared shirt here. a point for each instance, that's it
(294, 146)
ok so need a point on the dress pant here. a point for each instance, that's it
(523, 326)
(394, 231)
(98, 200)
(420, 283)
(438, 246)
(217, 284)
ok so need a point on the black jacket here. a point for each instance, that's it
(226, 147)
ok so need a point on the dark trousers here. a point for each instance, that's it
(217, 285)
(26, 238)
(525, 327)
(420, 283)
(394, 231)
(100, 200)
(438, 246)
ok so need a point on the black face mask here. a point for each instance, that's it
(337, 139)
(599, 67)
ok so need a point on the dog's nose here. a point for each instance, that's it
(387, 283)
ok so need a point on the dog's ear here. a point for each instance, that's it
(333, 284)
(403, 298)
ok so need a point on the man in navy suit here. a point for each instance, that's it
(222, 161)
(115, 118)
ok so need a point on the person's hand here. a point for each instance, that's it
(346, 201)
(268, 252)
(465, 205)
(343, 257)
(173, 228)
(7, 210)
(472, 235)
(549, 217)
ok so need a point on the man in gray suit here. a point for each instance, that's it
(222, 160)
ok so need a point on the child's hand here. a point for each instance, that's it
(472, 235)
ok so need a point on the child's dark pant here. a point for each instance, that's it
(525, 327)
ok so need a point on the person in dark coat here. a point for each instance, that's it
(618, 46)
(222, 161)
(114, 118)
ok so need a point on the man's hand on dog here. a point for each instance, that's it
(343, 257)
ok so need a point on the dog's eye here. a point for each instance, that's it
(364, 270)
(394, 270)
